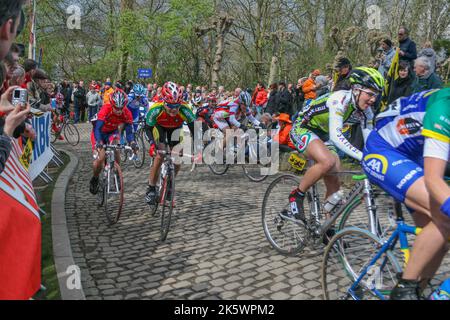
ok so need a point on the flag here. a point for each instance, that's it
(20, 232)
(389, 81)
(32, 40)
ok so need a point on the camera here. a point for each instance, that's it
(20, 96)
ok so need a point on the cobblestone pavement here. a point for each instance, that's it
(216, 248)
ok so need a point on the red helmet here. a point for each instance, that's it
(118, 99)
(171, 93)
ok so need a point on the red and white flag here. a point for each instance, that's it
(20, 231)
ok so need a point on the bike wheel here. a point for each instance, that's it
(254, 172)
(167, 202)
(139, 162)
(114, 195)
(349, 255)
(71, 134)
(286, 236)
(356, 215)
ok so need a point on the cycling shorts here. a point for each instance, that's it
(303, 137)
(220, 119)
(390, 169)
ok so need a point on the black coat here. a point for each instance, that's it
(80, 96)
(285, 104)
(273, 102)
(401, 88)
(410, 49)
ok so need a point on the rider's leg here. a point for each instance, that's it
(332, 181)
(324, 163)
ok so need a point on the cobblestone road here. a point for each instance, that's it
(216, 248)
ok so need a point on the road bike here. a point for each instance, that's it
(67, 130)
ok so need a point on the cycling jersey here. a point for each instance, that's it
(157, 115)
(158, 118)
(393, 155)
(108, 122)
(138, 107)
(226, 112)
(325, 118)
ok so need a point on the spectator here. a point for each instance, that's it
(221, 94)
(322, 86)
(274, 99)
(107, 91)
(18, 77)
(408, 48)
(38, 91)
(309, 87)
(30, 67)
(285, 102)
(430, 54)
(128, 86)
(343, 68)
(149, 91)
(299, 96)
(259, 98)
(283, 136)
(387, 56)
(67, 93)
(157, 96)
(425, 79)
(11, 63)
(80, 102)
(93, 101)
(12, 21)
(403, 86)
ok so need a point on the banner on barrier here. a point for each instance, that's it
(42, 152)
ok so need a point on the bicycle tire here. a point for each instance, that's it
(270, 216)
(113, 214)
(252, 177)
(167, 202)
(138, 164)
(71, 130)
(353, 216)
(349, 250)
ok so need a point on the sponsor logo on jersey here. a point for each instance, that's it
(304, 141)
(376, 163)
(408, 177)
(408, 126)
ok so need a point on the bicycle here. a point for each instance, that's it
(289, 236)
(139, 159)
(67, 130)
(370, 264)
(165, 192)
(111, 189)
(251, 171)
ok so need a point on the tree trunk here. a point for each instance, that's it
(125, 6)
(223, 26)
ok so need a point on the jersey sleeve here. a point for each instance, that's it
(337, 109)
(104, 112)
(128, 119)
(436, 123)
(152, 115)
(187, 114)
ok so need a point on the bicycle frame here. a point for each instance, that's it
(399, 234)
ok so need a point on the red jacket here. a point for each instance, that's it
(260, 98)
(283, 136)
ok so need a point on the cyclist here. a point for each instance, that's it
(394, 160)
(166, 117)
(106, 131)
(138, 104)
(318, 132)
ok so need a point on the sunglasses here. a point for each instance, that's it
(173, 106)
(371, 93)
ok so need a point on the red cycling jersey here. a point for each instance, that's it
(111, 120)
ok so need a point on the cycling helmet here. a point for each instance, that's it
(171, 93)
(368, 78)
(245, 98)
(139, 90)
(118, 99)
(197, 100)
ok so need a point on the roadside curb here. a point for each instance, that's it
(68, 275)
